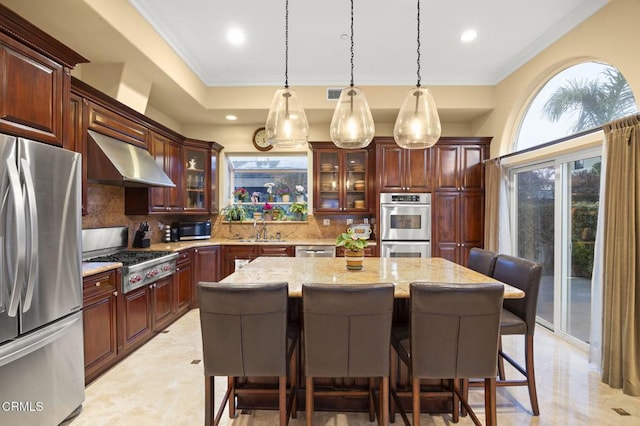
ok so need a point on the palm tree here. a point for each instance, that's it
(595, 101)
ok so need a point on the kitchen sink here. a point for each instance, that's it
(253, 240)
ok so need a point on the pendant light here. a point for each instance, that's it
(287, 125)
(418, 123)
(352, 124)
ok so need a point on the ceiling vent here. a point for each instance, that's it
(333, 94)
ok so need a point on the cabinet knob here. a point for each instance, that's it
(115, 293)
(177, 269)
(98, 284)
(196, 250)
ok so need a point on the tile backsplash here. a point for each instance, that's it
(105, 207)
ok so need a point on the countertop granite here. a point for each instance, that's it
(92, 268)
(183, 245)
(399, 271)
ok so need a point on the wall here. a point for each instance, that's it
(612, 36)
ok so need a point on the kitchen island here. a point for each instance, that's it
(399, 271)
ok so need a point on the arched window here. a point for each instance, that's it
(579, 98)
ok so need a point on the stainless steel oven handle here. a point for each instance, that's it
(17, 273)
(32, 235)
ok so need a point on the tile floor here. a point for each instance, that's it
(159, 385)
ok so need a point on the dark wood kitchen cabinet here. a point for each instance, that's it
(183, 282)
(249, 252)
(111, 123)
(35, 79)
(402, 170)
(162, 305)
(343, 179)
(136, 318)
(206, 267)
(196, 178)
(99, 314)
(458, 199)
(168, 155)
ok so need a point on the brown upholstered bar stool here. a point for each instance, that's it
(481, 260)
(519, 317)
(245, 333)
(453, 334)
(347, 331)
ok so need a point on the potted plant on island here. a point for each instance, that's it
(353, 249)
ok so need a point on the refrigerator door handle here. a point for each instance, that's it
(32, 235)
(16, 273)
(36, 340)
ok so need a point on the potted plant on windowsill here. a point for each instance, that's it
(235, 213)
(353, 249)
(299, 210)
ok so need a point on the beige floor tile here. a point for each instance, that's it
(160, 385)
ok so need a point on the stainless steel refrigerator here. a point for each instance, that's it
(41, 334)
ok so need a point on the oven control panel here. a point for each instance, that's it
(418, 198)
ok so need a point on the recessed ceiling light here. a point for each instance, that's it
(231, 117)
(469, 35)
(344, 36)
(236, 36)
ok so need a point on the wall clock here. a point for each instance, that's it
(260, 140)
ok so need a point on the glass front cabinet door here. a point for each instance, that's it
(341, 179)
(196, 179)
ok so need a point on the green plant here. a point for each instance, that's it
(234, 212)
(350, 241)
(278, 213)
(298, 208)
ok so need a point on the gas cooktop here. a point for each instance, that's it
(128, 258)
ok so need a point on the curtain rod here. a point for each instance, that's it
(545, 145)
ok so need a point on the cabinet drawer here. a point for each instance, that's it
(98, 284)
(184, 256)
(275, 251)
(104, 121)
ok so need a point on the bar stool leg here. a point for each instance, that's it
(384, 401)
(232, 396)
(500, 360)
(416, 401)
(209, 400)
(309, 400)
(455, 403)
(372, 411)
(531, 377)
(392, 367)
(490, 401)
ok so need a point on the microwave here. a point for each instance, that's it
(192, 230)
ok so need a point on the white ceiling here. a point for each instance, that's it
(510, 32)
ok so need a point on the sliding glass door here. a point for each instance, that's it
(555, 213)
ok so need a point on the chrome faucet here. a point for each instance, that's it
(263, 230)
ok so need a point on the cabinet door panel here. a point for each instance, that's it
(173, 168)
(447, 167)
(472, 219)
(110, 123)
(162, 303)
(472, 168)
(100, 335)
(417, 170)
(156, 195)
(390, 166)
(31, 93)
(137, 316)
(183, 279)
(446, 207)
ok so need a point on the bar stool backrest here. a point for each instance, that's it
(481, 260)
(244, 329)
(525, 275)
(455, 329)
(347, 329)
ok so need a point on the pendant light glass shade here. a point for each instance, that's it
(418, 123)
(352, 124)
(287, 125)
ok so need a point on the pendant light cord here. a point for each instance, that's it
(418, 48)
(286, 44)
(351, 43)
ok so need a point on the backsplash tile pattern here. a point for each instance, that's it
(105, 207)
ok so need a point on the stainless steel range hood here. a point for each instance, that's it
(113, 162)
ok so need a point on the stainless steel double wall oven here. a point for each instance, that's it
(405, 225)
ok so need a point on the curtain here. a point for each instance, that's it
(621, 267)
(497, 229)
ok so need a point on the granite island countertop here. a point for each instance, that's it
(399, 271)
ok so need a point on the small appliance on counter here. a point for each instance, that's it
(192, 230)
(142, 239)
